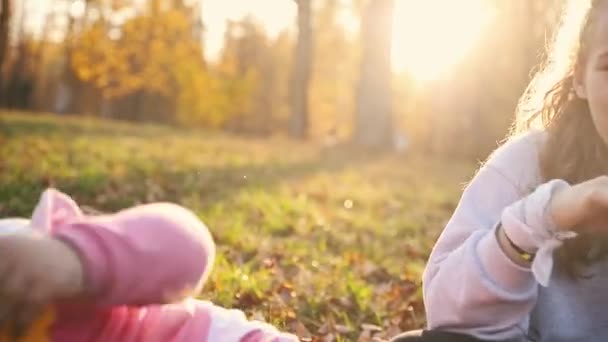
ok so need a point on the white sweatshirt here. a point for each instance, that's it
(472, 287)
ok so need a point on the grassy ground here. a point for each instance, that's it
(322, 242)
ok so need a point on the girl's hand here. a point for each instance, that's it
(35, 270)
(582, 206)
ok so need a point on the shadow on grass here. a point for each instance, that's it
(100, 189)
(16, 125)
(103, 191)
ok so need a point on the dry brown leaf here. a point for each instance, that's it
(342, 329)
(371, 327)
(299, 329)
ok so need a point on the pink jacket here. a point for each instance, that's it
(144, 263)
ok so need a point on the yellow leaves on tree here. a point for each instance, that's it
(94, 59)
(155, 54)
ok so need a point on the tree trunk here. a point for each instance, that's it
(374, 123)
(5, 17)
(300, 82)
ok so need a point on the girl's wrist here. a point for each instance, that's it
(515, 253)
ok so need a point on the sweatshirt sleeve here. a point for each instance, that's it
(470, 285)
(187, 320)
(231, 325)
(148, 254)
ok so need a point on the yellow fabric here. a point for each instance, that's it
(40, 331)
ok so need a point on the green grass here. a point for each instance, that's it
(315, 240)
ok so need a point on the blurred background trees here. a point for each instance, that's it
(329, 76)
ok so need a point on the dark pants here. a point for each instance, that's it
(433, 336)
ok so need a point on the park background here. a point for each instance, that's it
(324, 142)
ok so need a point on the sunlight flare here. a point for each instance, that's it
(430, 36)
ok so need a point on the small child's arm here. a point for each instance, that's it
(149, 254)
(185, 321)
(134, 262)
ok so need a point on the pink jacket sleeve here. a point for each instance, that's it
(197, 320)
(184, 321)
(154, 253)
(150, 254)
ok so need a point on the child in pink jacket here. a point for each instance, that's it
(127, 276)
